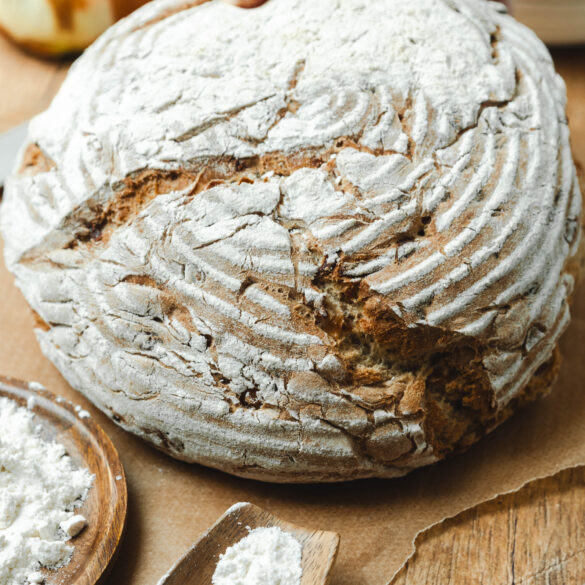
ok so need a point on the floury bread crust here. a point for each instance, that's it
(315, 241)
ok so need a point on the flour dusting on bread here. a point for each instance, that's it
(313, 241)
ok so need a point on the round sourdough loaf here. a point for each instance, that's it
(314, 241)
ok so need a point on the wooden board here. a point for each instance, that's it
(172, 504)
(556, 21)
(105, 507)
(28, 84)
(535, 536)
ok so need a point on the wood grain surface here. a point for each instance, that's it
(197, 566)
(556, 21)
(171, 503)
(27, 84)
(535, 536)
(105, 507)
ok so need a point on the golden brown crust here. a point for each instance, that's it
(35, 161)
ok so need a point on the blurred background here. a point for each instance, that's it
(557, 22)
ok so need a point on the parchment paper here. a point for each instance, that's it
(171, 503)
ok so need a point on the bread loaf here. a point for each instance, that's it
(317, 240)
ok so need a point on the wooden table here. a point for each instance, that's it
(171, 503)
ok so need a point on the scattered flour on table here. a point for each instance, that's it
(267, 556)
(40, 488)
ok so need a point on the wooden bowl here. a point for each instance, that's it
(105, 507)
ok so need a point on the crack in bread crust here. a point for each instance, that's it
(98, 216)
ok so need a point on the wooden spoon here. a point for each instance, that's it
(88, 446)
(199, 563)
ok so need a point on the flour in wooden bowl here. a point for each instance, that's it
(40, 488)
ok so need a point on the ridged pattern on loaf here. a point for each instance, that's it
(316, 240)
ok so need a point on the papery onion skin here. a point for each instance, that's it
(54, 28)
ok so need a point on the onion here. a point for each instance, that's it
(57, 27)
